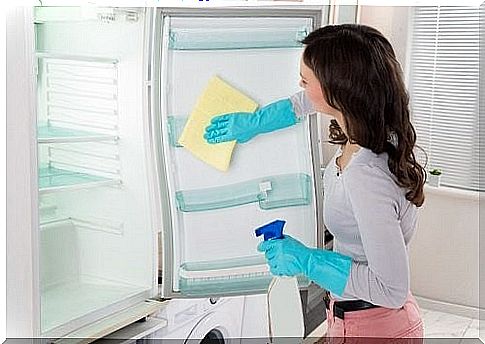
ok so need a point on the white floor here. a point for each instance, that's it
(446, 325)
(436, 325)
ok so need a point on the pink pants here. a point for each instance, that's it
(377, 325)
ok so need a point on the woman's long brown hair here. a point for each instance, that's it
(361, 77)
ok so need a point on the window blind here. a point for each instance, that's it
(444, 79)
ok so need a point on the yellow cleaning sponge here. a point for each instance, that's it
(218, 98)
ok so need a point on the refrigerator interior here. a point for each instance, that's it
(97, 239)
(270, 177)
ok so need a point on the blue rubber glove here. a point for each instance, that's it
(289, 257)
(243, 126)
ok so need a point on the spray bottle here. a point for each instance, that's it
(285, 312)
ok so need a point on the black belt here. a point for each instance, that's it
(340, 307)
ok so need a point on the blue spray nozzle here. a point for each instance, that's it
(272, 230)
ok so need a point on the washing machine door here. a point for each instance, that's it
(216, 327)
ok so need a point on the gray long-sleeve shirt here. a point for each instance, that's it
(371, 221)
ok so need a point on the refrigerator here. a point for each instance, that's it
(108, 216)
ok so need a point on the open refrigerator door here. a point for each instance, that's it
(209, 246)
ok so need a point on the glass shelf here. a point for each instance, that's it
(235, 38)
(237, 274)
(59, 306)
(270, 192)
(53, 179)
(50, 134)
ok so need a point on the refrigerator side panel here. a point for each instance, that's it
(22, 242)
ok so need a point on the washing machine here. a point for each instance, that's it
(209, 320)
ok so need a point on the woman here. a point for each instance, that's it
(373, 184)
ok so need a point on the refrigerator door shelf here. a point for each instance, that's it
(239, 275)
(236, 285)
(271, 192)
(287, 191)
(176, 125)
(236, 38)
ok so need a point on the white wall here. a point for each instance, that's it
(444, 252)
(392, 22)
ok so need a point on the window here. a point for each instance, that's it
(444, 78)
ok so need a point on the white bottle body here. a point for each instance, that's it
(285, 311)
